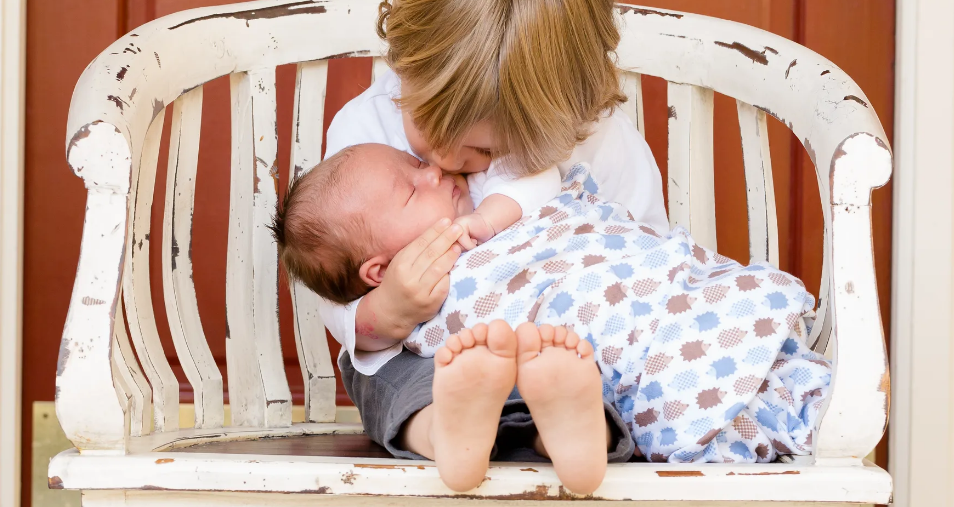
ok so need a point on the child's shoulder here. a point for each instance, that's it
(371, 117)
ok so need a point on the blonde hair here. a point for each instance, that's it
(540, 70)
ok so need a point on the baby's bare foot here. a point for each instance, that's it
(474, 374)
(560, 382)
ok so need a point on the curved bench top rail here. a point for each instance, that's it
(697, 50)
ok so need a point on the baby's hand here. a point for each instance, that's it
(477, 230)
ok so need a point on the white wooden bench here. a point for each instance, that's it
(123, 419)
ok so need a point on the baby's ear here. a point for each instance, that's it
(372, 271)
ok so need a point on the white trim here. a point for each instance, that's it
(922, 412)
(12, 92)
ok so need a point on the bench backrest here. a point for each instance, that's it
(114, 129)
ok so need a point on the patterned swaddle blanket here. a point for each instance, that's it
(704, 358)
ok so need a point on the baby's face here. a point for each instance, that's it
(401, 197)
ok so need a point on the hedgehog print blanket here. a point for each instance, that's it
(704, 358)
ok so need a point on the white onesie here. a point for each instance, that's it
(619, 157)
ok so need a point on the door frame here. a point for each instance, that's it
(922, 408)
(12, 136)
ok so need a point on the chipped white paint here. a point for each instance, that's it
(691, 163)
(258, 389)
(633, 107)
(182, 309)
(123, 91)
(514, 481)
(378, 67)
(313, 354)
(137, 294)
(759, 185)
(129, 379)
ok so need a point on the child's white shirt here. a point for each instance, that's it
(619, 159)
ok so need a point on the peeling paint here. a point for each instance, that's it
(811, 152)
(163, 461)
(159, 63)
(787, 472)
(771, 50)
(62, 359)
(826, 72)
(769, 112)
(751, 54)
(122, 73)
(856, 99)
(529, 470)
(389, 467)
(789, 69)
(348, 478)
(120, 103)
(157, 107)
(850, 288)
(266, 13)
(680, 473)
(54, 482)
(88, 301)
(623, 9)
(348, 55)
(672, 113)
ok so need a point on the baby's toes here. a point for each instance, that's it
(453, 344)
(572, 340)
(443, 357)
(467, 340)
(480, 333)
(546, 335)
(559, 336)
(585, 349)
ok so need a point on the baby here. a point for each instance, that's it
(338, 231)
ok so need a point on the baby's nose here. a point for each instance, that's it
(430, 175)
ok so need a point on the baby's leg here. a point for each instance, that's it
(474, 374)
(560, 382)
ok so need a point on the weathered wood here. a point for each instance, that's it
(759, 185)
(633, 88)
(378, 67)
(137, 293)
(182, 309)
(258, 389)
(313, 354)
(86, 402)
(505, 481)
(691, 167)
(130, 380)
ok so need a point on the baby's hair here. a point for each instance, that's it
(318, 243)
(541, 70)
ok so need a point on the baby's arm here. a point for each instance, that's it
(505, 200)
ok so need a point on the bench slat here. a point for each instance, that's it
(130, 381)
(313, 354)
(378, 68)
(691, 177)
(258, 390)
(182, 309)
(633, 88)
(137, 294)
(759, 186)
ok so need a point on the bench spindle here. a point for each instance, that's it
(691, 176)
(178, 288)
(129, 380)
(313, 354)
(258, 390)
(378, 67)
(633, 89)
(137, 294)
(759, 186)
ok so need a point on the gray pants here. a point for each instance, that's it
(387, 399)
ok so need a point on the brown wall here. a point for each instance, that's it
(63, 36)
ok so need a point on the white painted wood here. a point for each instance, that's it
(759, 185)
(258, 389)
(857, 407)
(531, 481)
(182, 309)
(137, 293)
(223, 499)
(86, 403)
(922, 409)
(691, 169)
(378, 68)
(12, 93)
(130, 379)
(313, 354)
(633, 107)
